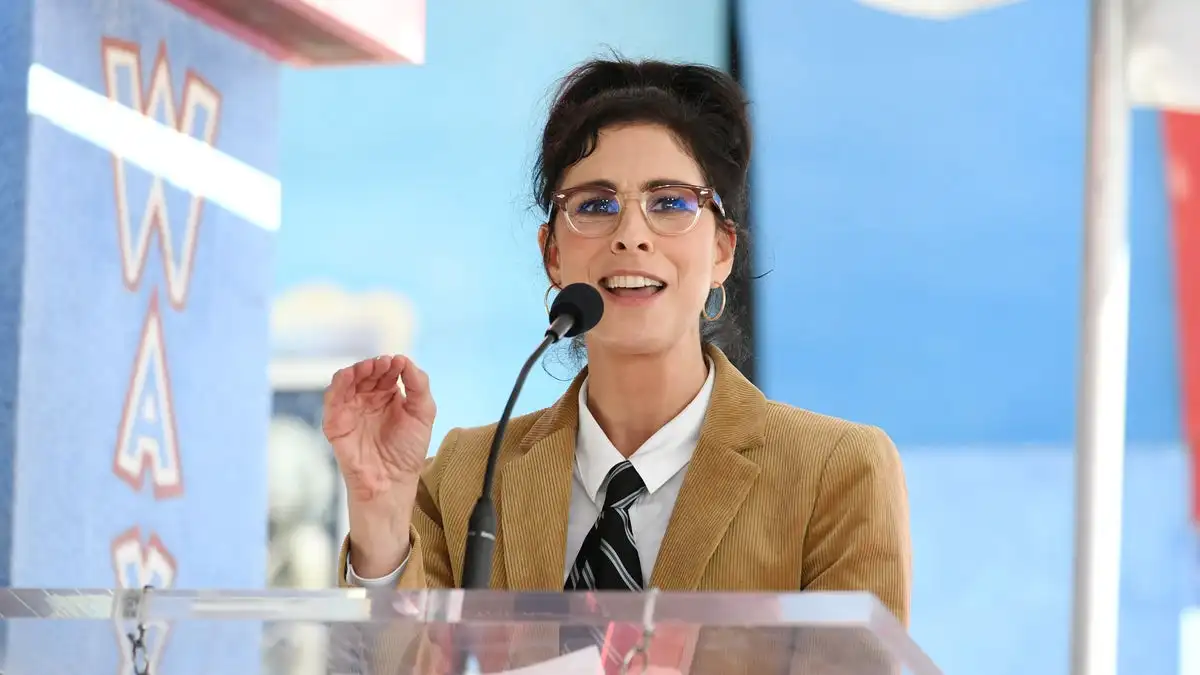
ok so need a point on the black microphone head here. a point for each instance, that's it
(583, 303)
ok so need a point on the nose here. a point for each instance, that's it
(633, 232)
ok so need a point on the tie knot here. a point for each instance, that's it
(624, 486)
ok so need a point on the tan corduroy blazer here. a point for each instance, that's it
(775, 499)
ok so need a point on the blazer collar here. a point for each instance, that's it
(736, 415)
(539, 479)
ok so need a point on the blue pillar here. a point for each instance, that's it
(138, 210)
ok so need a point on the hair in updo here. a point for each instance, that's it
(703, 107)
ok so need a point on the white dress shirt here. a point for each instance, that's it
(661, 462)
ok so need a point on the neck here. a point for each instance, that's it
(632, 397)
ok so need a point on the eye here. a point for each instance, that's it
(670, 204)
(672, 201)
(598, 206)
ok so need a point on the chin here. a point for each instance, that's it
(627, 342)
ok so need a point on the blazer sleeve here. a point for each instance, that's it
(428, 559)
(397, 646)
(858, 534)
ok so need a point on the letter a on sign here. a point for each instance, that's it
(147, 442)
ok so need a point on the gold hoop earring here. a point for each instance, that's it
(720, 310)
(546, 298)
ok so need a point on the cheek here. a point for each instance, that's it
(696, 288)
(575, 256)
(693, 267)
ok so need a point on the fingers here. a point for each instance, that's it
(341, 386)
(379, 374)
(369, 372)
(395, 365)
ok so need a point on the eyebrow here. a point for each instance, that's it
(647, 185)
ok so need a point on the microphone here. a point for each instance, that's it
(576, 310)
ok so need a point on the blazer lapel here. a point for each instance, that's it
(536, 498)
(718, 478)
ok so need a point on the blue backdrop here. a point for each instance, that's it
(919, 193)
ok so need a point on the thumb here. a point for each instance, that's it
(418, 398)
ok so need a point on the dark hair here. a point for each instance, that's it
(703, 107)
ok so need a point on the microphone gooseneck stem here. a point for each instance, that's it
(481, 528)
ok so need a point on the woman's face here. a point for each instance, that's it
(654, 284)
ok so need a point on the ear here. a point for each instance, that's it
(726, 246)
(548, 249)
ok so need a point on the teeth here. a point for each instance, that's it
(630, 282)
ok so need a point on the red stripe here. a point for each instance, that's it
(1182, 132)
(303, 34)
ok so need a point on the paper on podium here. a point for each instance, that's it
(581, 662)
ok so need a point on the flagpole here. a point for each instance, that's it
(1104, 341)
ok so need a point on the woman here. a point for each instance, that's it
(642, 174)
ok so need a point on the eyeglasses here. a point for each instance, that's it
(595, 210)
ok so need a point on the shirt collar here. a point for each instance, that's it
(657, 460)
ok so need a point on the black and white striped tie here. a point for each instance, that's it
(608, 559)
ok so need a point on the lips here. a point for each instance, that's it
(632, 285)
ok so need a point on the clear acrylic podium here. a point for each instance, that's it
(336, 632)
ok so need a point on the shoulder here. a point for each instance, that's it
(856, 530)
(814, 443)
(462, 454)
(470, 441)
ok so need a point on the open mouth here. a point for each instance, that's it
(632, 286)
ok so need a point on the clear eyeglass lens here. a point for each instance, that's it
(669, 209)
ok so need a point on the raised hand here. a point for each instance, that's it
(380, 437)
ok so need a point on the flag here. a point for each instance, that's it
(1182, 151)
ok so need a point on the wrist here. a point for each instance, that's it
(379, 531)
(377, 557)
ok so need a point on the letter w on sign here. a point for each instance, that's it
(141, 200)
